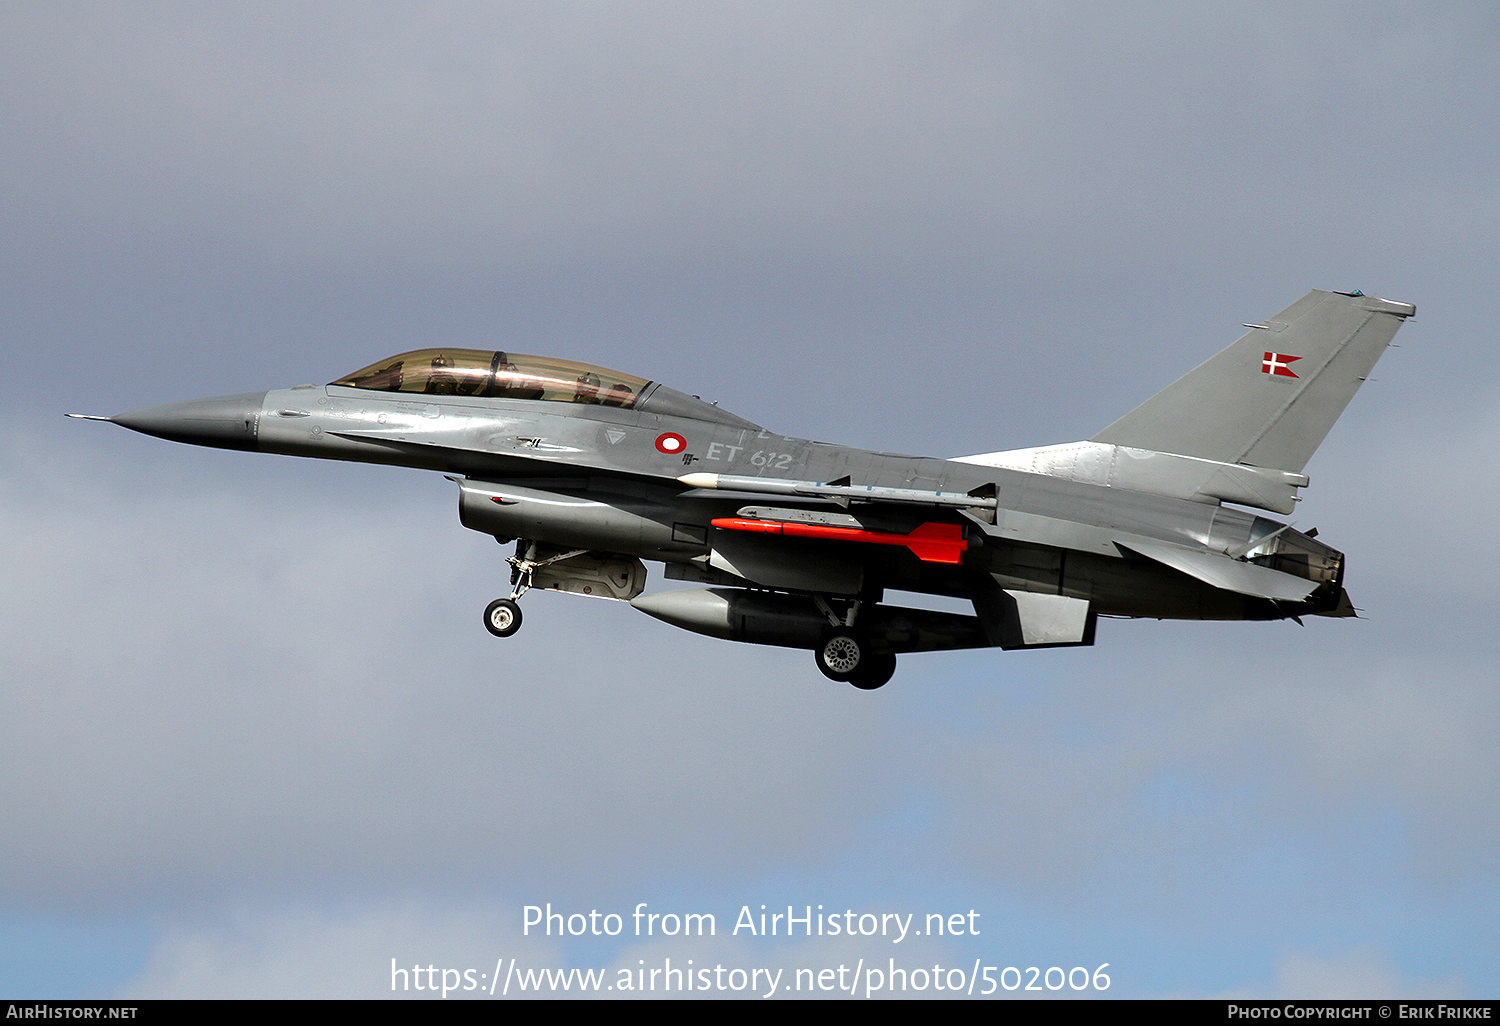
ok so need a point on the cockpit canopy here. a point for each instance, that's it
(477, 372)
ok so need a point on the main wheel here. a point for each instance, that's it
(502, 618)
(875, 671)
(840, 654)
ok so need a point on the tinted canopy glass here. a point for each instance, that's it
(485, 373)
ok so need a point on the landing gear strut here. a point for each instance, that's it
(502, 617)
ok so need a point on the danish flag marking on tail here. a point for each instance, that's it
(1279, 363)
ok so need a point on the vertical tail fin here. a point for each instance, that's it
(1270, 399)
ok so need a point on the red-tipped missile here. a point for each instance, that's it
(931, 543)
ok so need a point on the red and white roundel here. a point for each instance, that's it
(670, 443)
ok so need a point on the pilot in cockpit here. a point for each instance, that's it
(441, 380)
(588, 389)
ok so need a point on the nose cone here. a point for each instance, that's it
(227, 422)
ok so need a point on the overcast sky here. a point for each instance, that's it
(253, 738)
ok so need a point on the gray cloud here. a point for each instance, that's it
(504, 134)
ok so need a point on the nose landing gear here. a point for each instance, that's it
(502, 617)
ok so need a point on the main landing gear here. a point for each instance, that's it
(502, 617)
(846, 655)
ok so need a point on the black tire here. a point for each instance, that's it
(876, 670)
(841, 654)
(502, 618)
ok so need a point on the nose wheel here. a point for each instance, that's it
(502, 617)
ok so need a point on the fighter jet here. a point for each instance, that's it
(591, 472)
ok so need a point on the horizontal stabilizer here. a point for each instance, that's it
(1223, 572)
(1161, 473)
(1344, 608)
